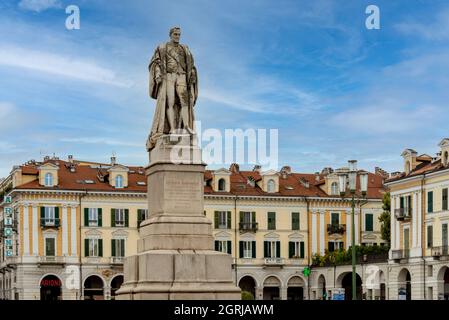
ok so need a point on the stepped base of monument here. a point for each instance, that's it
(179, 275)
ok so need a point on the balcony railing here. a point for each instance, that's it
(51, 260)
(400, 254)
(403, 213)
(50, 222)
(440, 251)
(336, 228)
(248, 226)
(117, 260)
(119, 223)
(274, 261)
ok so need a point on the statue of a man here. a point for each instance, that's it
(174, 83)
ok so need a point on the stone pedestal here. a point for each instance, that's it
(175, 257)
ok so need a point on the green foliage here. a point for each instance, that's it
(247, 295)
(344, 256)
(384, 218)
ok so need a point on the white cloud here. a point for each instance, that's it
(105, 141)
(67, 66)
(39, 5)
(438, 30)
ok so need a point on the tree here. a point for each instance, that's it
(384, 218)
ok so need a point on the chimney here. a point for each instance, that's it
(380, 172)
(113, 161)
(257, 168)
(410, 163)
(46, 158)
(70, 158)
(327, 171)
(317, 176)
(285, 171)
(234, 168)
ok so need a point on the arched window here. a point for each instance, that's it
(221, 184)
(334, 188)
(271, 185)
(119, 181)
(48, 180)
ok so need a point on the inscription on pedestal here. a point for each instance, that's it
(181, 192)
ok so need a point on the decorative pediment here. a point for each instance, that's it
(272, 235)
(248, 236)
(120, 233)
(93, 233)
(270, 172)
(408, 152)
(50, 232)
(369, 236)
(222, 171)
(335, 237)
(48, 166)
(118, 167)
(296, 236)
(444, 142)
(223, 235)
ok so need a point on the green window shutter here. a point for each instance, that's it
(369, 222)
(229, 247)
(139, 217)
(86, 217)
(113, 247)
(216, 245)
(253, 248)
(42, 212)
(335, 218)
(295, 220)
(240, 249)
(266, 249)
(253, 217)
(429, 236)
(430, 201)
(278, 249)
(100, 217)
(56, 213)
(112, 217)
(229, 221)
(86, 247)
(271, 220)
(301, 249)
(444, 196)
(401, 202)
(241, 217)
(216, 219)
(100, 247)
(291, 249)
(123, 247)
(126, 217)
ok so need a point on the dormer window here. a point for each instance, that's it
(271, 186)
(48, 180)
(119, 181)
(222, 185)
(334, 188)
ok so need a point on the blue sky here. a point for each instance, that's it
(333, 89)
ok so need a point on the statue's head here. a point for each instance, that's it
(175, 34)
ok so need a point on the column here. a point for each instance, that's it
(314, 234)
(73, 231)
(348, 229)
(35, 230)
(397, 235)
(259, 293)
(419, 219)
(65, 233)
(415, 220)
(26, 231)
(322, 232)
(283, 293)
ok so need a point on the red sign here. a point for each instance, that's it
(50, 283)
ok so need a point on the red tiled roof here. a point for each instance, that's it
(291, 185)
(425, 167)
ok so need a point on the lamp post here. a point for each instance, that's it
(352, 177)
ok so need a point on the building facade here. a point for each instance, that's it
(73, 222)
(419, 257)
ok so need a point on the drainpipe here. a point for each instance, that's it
(80, 245)
(422, 238)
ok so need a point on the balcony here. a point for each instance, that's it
(50, 223)
(336, 228)
(117, 260)
(274, 261)
(403, 213)
(437, 252)
(400, 254)
(248, 226)
(51, 260)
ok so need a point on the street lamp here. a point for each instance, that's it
(352, 176)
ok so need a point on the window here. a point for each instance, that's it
(296, 249)
(334, 188)
(247, 249)
(429, 236)
(272, 249)
(50, 247)
(271, 220)
(48, 180)
(335, 218)
(430, 201)
(406, 238)
(271, 185)
(119, 181)
(369, 222)
(142, 214)
(93, 217)
(248, 220)
(221, 184)
(334, 245)
(93, 247)
(444, 196)
(224, 246)
(50, 216)
(295, 220)
(118, 247)
(119, 217)
(222, 220)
